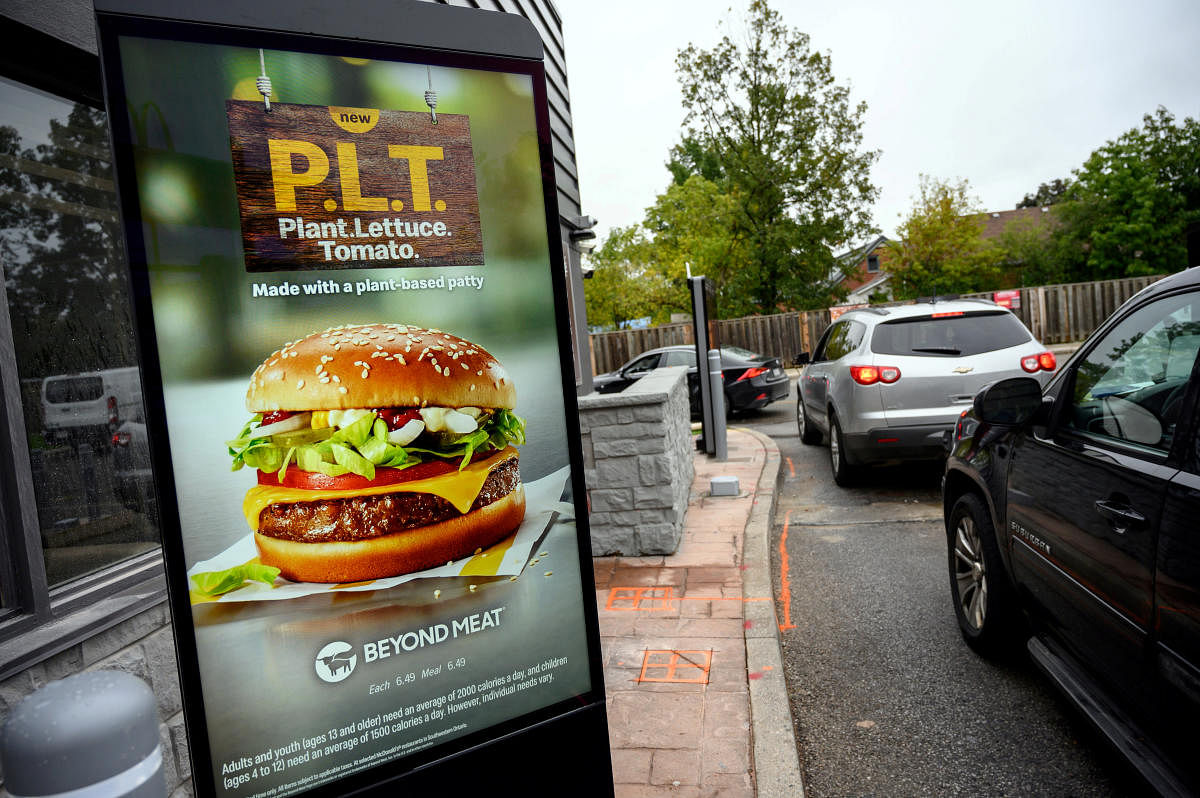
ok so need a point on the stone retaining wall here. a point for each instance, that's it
(637, 454)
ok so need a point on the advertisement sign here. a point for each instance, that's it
(339, 188)
(1008, 299)
(352, 319)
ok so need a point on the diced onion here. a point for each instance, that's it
(406, 434)
(289, 424)
(460, 423)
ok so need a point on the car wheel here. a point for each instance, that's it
(728, 406)
(843, 473)
(983, 601)
(809, 434)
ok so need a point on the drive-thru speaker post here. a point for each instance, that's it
(342, 226)
(708, 367)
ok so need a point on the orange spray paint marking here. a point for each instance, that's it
(686, 667)
(785, 587)
(791, 467)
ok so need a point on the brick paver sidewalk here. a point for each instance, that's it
(673, 631)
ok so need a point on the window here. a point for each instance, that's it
(842, 339)
(76, 492)
(680, 357)
(951, 336)
(1130, 387)
(643, 365)
(872, 264)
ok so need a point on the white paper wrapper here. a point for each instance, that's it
(506, 558)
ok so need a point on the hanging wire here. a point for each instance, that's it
(431, 96)
(263, 82)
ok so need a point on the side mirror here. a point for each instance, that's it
(802, 359)
(1010, 402)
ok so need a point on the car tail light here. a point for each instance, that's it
(1043, 361)
(869, 375)
(958, 427)
(750, 374)
(947, 314)
(120, 439)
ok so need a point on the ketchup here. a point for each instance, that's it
(397, 417)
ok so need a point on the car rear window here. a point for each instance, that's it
(949, 336)
(74, 389)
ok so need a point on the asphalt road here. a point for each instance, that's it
(886, 698)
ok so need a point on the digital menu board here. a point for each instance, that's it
(361, 400)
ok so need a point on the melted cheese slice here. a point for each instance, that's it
(460, 488)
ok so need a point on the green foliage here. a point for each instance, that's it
(1057, 190)
(622, 287)
(786, 143)
(1134, 199)
(690, 157)
(942, 249)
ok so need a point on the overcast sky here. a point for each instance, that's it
(1007, 95)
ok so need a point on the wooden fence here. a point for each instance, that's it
(1065, 313)
(1055, 314)
(782, 335)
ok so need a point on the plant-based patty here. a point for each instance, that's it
(371, 516)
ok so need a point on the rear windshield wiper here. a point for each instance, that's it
(938, 350)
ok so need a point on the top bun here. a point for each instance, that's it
(376, 366)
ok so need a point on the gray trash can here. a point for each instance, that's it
(94, 735)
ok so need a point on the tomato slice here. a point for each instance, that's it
(313, 480)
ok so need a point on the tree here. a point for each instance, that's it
(63, 259)
(621, 288)
(1050, 193)
(688, 226)
(942, 249)
(1134, 202)
(786, 142)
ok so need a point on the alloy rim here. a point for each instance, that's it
(970, 575)
(835, 451)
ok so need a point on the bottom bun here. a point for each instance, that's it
(398, 553)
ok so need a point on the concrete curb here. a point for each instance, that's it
(776, 763)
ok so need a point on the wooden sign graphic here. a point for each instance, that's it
(353, 188)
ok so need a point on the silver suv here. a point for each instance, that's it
(884, 384)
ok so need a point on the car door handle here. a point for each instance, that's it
(1121, 515)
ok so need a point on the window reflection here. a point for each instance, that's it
(64, 277)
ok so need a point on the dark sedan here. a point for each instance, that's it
(1071, 521)
(751, 380)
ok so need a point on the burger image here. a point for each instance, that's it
(380, 449)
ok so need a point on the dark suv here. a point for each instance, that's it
(1073, 519)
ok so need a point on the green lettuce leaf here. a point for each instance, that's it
(218, 583)
(362, 446)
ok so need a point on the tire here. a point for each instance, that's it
(984, 601)
(728, 406)
(809, 435)
(844, 474)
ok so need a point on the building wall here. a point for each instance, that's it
(117, 618)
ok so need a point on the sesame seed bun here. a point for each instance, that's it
(398, 553)
(379, 365)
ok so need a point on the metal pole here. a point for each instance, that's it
(718, 403)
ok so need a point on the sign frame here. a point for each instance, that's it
(571, 736)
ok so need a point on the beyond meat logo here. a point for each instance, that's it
(335, 661)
